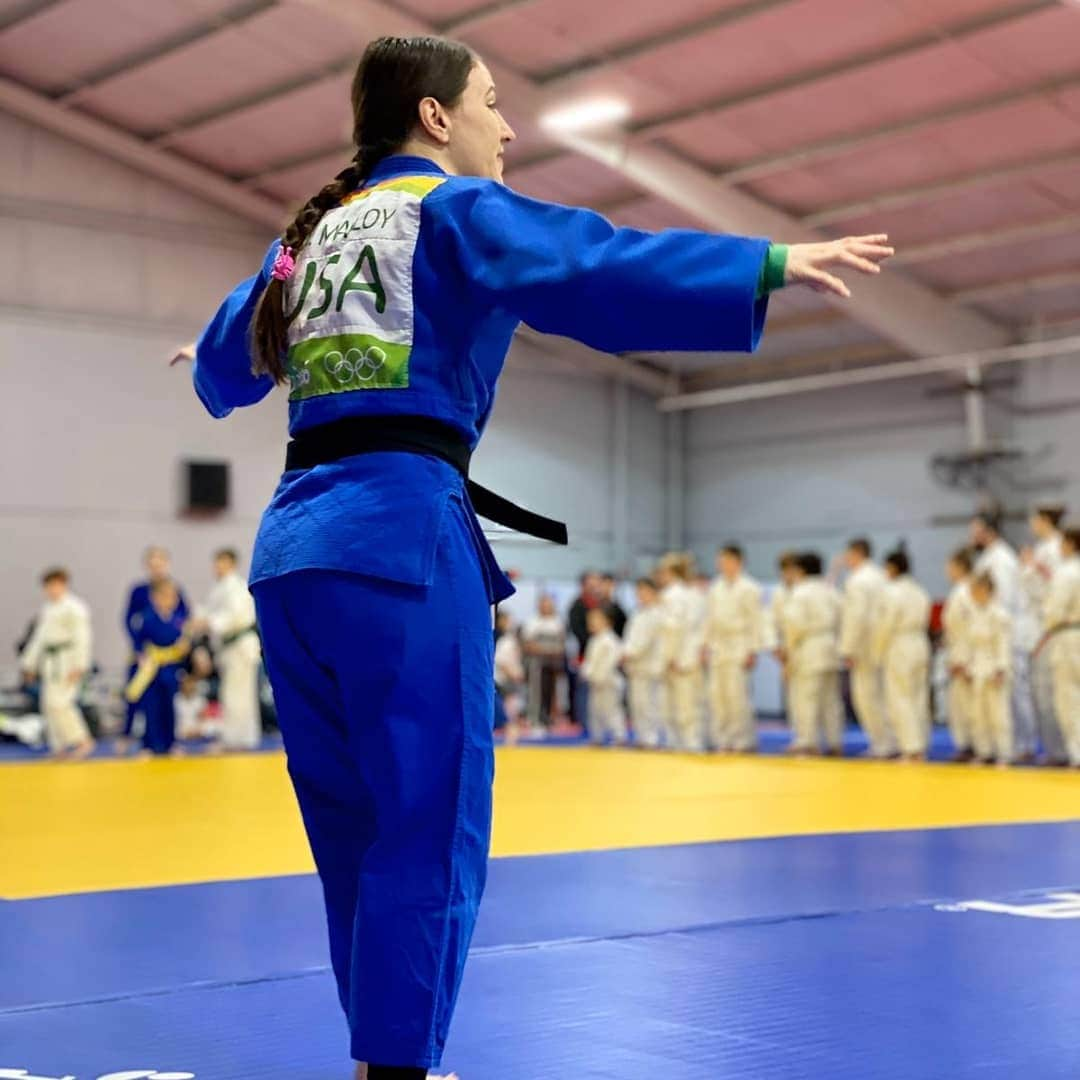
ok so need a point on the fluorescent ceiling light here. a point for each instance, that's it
(586, 115)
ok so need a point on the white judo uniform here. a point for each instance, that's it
(643, 661)
(863, 592)
(683, 610)
(58, 650)
(230, 611)
(902, 647)
(990, 656)
(1062, 621)
(734, 633)
(810, 627)
(955, 616)
(600, 669)
(1035, 580)
(1001, 563)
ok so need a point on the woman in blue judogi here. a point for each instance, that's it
(388, 306)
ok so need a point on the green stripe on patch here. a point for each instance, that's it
(344, 362)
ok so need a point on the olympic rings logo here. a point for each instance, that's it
(356, 364)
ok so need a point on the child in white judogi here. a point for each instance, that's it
(990, 634)
(600, 669)
(955, 617)
(229, 617)
(811, 628)
(1062, 642)
(58, 653)
(863, 590)
(788, 567)
(682, 616)
(998, 559)
(734, 634)
(643, 662)
(1038, 565)
(902, 647)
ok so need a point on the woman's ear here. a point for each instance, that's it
(434, 120)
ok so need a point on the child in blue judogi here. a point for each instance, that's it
(161, 647)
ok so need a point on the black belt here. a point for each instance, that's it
(352, 435)
(236, 635)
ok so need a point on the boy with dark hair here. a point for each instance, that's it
(58, 653)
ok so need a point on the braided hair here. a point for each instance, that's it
(394, 75)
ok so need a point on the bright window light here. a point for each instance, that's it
(586, 115)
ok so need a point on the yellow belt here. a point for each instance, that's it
(152, 660)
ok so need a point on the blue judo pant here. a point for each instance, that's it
(158, 706)
(384, 697)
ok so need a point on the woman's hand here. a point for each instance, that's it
(806, 263)
(185, 352)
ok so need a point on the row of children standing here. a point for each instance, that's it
(688, 640)
(690, 647)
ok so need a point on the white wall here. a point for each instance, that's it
(811, 471)
(108, 272)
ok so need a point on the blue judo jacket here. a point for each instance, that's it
(404, 302)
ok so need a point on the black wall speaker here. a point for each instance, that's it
(206, 486)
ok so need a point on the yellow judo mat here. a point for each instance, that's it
(119, 824)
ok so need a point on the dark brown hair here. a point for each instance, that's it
(899, 560)
(55, 573)
(862, 546)
(1052, 512)
(394, 75)
(963, 558)
(787, 559)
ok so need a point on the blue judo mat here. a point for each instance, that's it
(807, 957)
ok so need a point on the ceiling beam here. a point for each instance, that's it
(283, 89)
(189, 35)
(881, 133)
(905, 369)
(609, 58)
(899, 198)
(125, 147)
(24, 12)
(1017, 287)
(966, 243)
(757, 369)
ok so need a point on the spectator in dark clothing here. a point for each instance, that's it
(616, 615)
(591, 595)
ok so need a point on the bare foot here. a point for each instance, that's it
(122, 744)
(82, 750)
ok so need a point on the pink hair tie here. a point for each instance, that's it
(284, 264)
